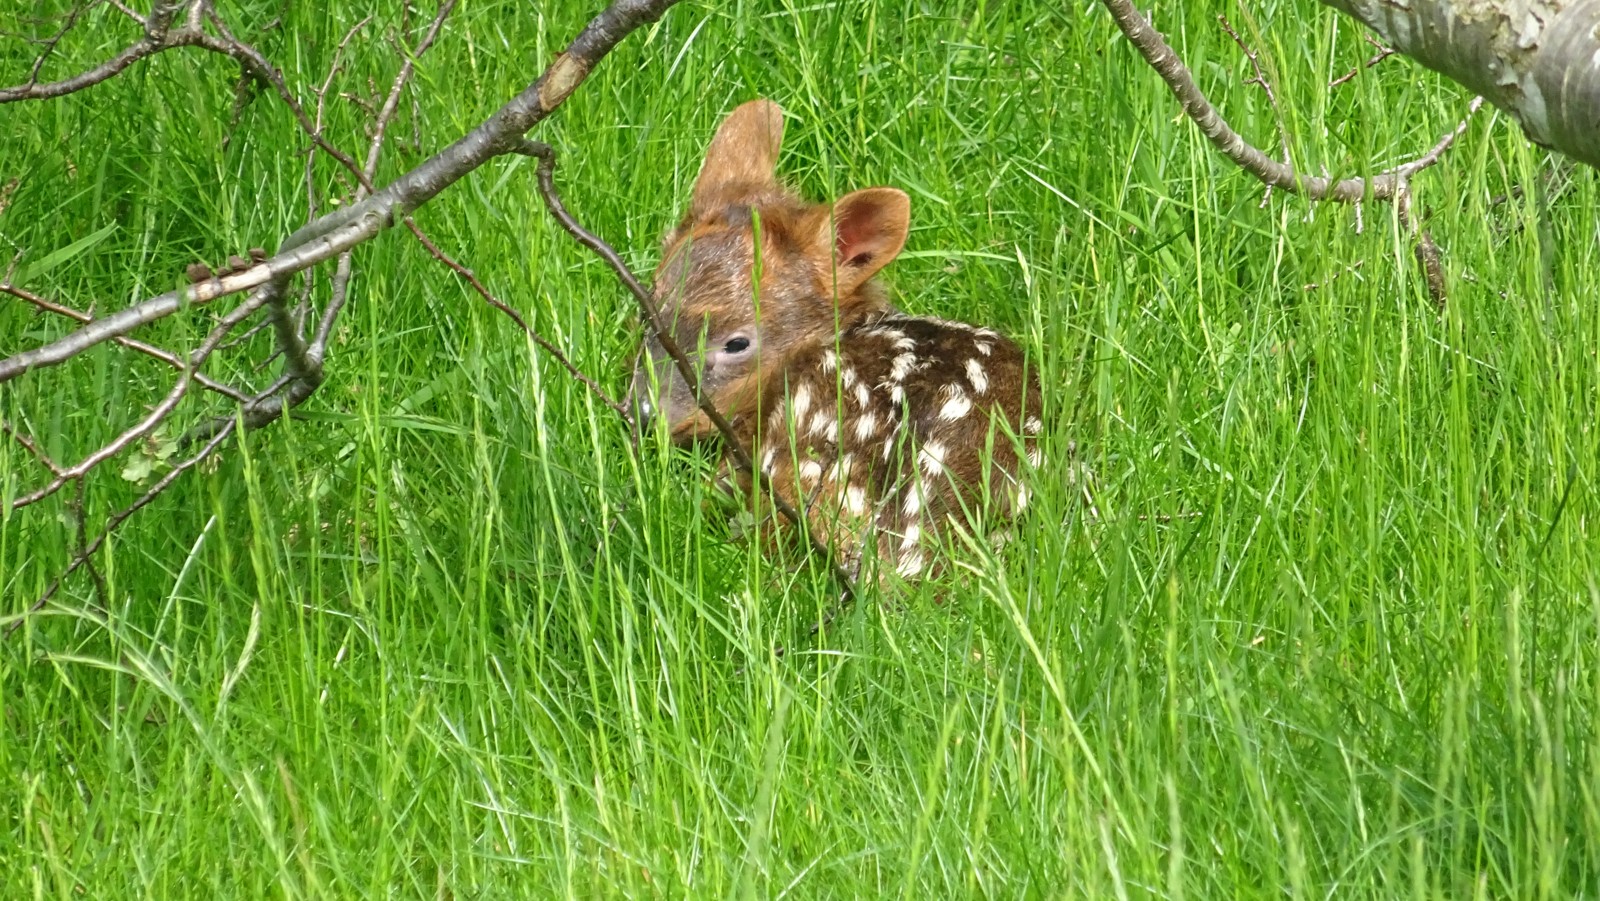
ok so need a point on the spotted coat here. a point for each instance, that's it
(895, 429)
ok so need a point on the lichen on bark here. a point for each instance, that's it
(1537, 60)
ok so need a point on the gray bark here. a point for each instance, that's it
(1537, 60)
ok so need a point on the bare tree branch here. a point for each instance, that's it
(325, 237)
(167, 357)
(1539, 61)
(349, 226)
(159, 412)
(1393, 185)
(1382, 54)
(158, 37)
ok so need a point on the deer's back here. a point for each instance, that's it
(901, 425)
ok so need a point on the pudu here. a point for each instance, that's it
(882, 428)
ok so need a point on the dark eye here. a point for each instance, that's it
(737, 345)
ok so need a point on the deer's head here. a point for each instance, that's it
(753, 273)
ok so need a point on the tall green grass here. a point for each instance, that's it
(1325, 623)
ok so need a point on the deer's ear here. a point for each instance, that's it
(867, 230)
(743, 157)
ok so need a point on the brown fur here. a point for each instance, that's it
(882, 427)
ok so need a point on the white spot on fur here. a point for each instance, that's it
(849, 377)
(902, 366)
(912, 536)
(1034, 457)
(830, 360)
(767, 460)
(984, 348)
(888, 447)
(976, 375)
(957, 406)
(863, 396)
(904, 342)
(840, 470)
(897, 394)
(1033, 426)
(825, 425)
(931, 456)
(1022, 498)
(866, 425)
(810, 472)
(910, 564)
(913, 504)
(800, 402)
(855, 500)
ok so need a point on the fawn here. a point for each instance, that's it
(882, 428)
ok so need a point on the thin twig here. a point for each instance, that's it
(32, 448)
(1382, 54)
(121, 516)
(80, 538)
(1261, 79)
(340, 291)
(341, 279)
(49, 43)
(1255, 62)
(535, 337)
(321, 94)
(158, 37)
(392, 102)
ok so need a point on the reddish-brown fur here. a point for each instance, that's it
(882, 427)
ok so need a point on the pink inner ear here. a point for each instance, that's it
(858, 231)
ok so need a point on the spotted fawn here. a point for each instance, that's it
(883, 428)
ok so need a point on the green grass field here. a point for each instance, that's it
(1328, 627)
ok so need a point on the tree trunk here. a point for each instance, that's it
(1538, 60)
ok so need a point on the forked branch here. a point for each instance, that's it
(266, 278)
(1180, 81)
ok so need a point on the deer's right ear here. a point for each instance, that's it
(742, 158)
(867, 230)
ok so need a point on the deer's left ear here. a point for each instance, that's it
(743, 157)
(867, 230)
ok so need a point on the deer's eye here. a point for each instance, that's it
(736, 345)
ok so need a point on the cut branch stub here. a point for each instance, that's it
(1538, 60)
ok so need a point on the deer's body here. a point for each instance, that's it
(881, 427)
